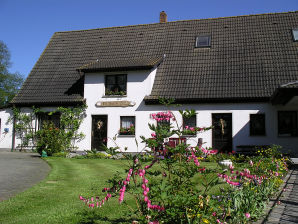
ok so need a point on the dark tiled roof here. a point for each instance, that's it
(120, 64)
(250, 56)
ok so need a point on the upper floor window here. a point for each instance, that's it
(287, 123)
(203, 41)
(257, 125)
(189, 125)
(295, 34)
(115, 84)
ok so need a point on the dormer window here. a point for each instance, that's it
(115, 85)
(295, 34)
(203, 41)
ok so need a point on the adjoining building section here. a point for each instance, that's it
(239, 74)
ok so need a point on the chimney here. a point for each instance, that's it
(163, 17)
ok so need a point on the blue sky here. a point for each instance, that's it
(26, 26)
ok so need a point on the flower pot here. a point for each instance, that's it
(225, 163)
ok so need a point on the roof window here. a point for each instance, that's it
(205, 41)
(295, 34)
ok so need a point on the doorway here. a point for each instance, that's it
(222, 132)
(99, 132)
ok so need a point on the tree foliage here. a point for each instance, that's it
(9, 82)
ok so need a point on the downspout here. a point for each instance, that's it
(13, 134)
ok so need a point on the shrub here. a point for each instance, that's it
(49, 139)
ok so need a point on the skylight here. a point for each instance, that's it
(295, 34)
(204, 41)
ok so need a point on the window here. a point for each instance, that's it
(287, 123)
(203, 41)
(164, 123)
(295, 34)
(257, 125)
(45, 117)
(127, 125)
(189, 125)
(115, 84)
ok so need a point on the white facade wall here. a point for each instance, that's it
(5, 137)
(139, 84)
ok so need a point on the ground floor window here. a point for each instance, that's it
(189, 125)
(127, 125)
(287, 123)
(45, 118)
(257, 125)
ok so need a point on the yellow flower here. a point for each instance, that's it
(205, 220)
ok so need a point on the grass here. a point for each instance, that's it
(55, 199)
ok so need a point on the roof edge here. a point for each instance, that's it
(70, 103)
(152, 101)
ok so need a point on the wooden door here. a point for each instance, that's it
(222, 132)
(99, 132)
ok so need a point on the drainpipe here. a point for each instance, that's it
(13, 134)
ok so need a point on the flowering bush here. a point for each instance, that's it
(174, 187)
(48, 139)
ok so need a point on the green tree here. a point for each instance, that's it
(9, 82)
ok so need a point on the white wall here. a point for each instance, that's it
(5, 138)
(140, 84)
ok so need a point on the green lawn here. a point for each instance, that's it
(55, 200)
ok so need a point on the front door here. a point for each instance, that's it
(222, 132)
(99, 132)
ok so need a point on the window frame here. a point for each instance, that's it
(294, 131)
(254, 133)
(116, 83)
(203, 36)
(42, 115)
(293, 35)
(134, 123)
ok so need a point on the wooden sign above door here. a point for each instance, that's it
(123, 103)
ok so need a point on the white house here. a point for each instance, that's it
(239, 74)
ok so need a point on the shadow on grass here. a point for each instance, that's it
(91, 216)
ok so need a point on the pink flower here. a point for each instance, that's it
(192, 129)
(247, 215)
(146, 199)
(214, 214)
(186, 127)
(154, 222)
(153, 135)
